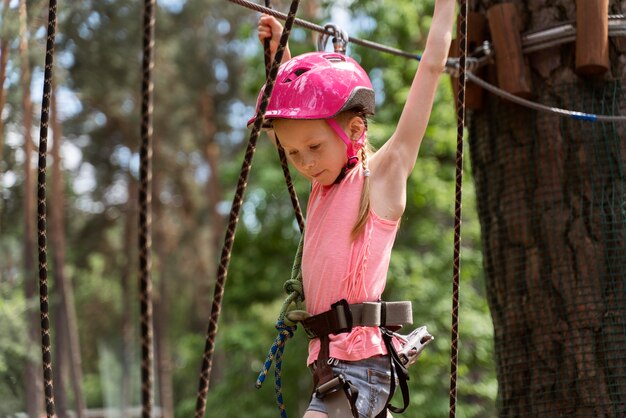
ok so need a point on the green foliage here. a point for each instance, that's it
(14, 347)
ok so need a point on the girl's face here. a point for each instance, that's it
(313, 148)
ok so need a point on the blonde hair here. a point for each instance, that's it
(365, 151)
(364, 204)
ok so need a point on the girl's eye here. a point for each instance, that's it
(293, 152)
(314, 147)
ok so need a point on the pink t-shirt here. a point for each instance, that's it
(335, 267)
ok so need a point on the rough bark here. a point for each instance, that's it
(550, 198)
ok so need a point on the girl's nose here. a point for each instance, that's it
(308, 162)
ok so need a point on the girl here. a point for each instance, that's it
(318, 112)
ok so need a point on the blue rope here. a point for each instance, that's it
(276, 351)
(286, 329)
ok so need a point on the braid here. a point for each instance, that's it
(364, 205)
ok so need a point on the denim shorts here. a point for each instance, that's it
(371, 376)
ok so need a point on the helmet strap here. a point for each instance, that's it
(353, 146)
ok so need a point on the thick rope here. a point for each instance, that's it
(145, 200)
(207, 359)
(456, 264)
(41, 211)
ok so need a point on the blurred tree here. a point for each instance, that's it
(5, 47)
(67, 356)
(32, 377)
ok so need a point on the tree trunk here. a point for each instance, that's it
(33, 380)
(4, 59)
(128, 292)
(68, 339)
(162, 247)
(550, 194)
(214, 193)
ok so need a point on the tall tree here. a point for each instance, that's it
(68, 344)
(551, 198)
(33, 382)
(4, 59)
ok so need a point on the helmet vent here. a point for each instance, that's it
(300, 71)
(297, 73)
(335, 58)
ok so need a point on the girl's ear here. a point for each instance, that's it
(356, 126)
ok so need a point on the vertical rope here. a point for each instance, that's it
(456, 265)
(145, 200)
(207, 359)
(41, 211)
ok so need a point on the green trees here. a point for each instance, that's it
(208, 70)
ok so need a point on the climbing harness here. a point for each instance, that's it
(337, 392)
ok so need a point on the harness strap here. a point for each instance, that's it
(340, 397)
(403, 376)
(343, 316)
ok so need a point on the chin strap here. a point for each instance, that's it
(353, 146)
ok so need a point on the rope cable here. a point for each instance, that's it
(145, 201)
(41, 211)
(617, 28)
(456, 263)
(205, 373)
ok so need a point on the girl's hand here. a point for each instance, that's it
(270, 28)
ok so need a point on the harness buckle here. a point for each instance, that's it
(343, 315)
(330, 387)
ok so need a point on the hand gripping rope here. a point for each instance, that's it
(207, 358)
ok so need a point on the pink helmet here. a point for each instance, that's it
(318, 85)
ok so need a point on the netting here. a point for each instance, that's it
(551, 204)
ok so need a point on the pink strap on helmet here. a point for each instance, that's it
(353, 146)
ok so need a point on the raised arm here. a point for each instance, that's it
(393, 163)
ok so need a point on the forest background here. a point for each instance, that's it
(209, 68)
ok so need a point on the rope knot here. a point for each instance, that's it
(294, 286)
(285, 331)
